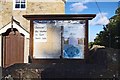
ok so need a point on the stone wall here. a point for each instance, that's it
(33, 7)
(106, 56)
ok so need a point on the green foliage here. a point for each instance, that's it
(91, 44)
(110, 36)
(117, 11)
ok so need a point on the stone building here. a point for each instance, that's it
(9, 8)
(32, 7)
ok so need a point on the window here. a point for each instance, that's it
(59, 36)
(53, 36)
(47, 39)
(73, 35)
(19, 4)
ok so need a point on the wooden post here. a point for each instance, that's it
(31, 41)
(62, 39)
(86, 39)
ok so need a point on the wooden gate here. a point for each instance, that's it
(13, 48)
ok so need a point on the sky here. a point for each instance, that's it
(103, 10)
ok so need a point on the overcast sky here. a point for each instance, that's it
(107, 10)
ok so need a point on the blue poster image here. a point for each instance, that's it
(71, 51)
(73, 47)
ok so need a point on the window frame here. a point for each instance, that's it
(85, 17)
(20, 3)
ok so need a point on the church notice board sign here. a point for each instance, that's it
(40, 32)
(59, 36)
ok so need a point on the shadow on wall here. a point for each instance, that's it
(102, 63)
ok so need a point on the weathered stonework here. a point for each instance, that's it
(6, 13)
(33, 7)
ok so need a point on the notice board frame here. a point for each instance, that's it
(85, 17)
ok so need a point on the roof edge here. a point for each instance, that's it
(60, 17)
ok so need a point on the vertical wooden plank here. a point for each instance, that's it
(21, 48)
(8, 52)
(86, 39)
(23, 42)
(13, 48)
(62, 43)
(16, 38)
(3, 55)
(31, 39)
